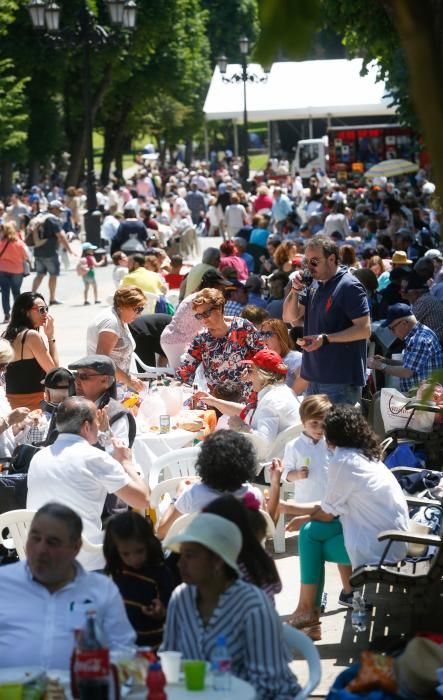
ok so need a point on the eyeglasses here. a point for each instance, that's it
(204, 314)
(248, 369)
(313, 262)
(42, 310)
(85, 377)
(394, 325)
(139, 309)
(266, 334)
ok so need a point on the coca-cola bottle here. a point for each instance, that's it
(156, 682)
(90, 667)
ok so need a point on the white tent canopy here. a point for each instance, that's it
(302, 90)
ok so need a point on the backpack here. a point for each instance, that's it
(34, 232)
(82, 268)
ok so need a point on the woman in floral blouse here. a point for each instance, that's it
(222, 346)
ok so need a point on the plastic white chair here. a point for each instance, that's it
(300, 642)
(181, 524)
(176, 463)
(167, 487)
(151, 372)
(18, 523)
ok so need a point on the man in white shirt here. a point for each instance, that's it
(44, 599)
(79, 475)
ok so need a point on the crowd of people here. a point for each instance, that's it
(270, 327)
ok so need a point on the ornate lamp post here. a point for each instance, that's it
(87, 34)
(245, 76)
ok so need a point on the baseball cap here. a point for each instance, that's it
(267, 359)
(88, 246)
(215, 277)
(55, 204)
(58, 378)
(396, 311)
(102, 364)
(215, 533)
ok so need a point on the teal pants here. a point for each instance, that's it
(319, 542)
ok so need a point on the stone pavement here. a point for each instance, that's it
(338, 647)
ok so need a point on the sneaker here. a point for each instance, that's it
(346, 599)
(86, 303)
(54, 302)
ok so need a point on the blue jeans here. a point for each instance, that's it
(9, 283)
(338, 393)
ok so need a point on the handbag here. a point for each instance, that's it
(26, 268)
(7, 243)
(396, 414)
(21, 458)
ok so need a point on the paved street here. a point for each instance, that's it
(338, 647)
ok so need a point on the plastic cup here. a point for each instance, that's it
(195, 672)
(11, 691)
(171, 661)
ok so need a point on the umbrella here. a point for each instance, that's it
(391, 168)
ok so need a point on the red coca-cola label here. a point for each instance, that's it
(92, 664)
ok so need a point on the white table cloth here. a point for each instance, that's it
(149, 445)
(240, 690)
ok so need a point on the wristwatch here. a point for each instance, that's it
(325, 338)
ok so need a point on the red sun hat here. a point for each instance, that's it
(267, 359)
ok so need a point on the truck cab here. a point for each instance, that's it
(310, 155)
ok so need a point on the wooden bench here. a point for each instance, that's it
(420, 580)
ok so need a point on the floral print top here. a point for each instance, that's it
(221, 357)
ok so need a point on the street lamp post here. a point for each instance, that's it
(45, 16)
(245, 76)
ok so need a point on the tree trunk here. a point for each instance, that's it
(34, 172)
(114, 142)
(78, 147)
(188, 152)
(419, 25)
(5, 176)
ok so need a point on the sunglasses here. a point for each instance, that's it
(42, 310)
(313, 262)
(204, 314)
(85, 377)
(266, 334)
(139, 309)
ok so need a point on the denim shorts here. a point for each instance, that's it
(48, 265)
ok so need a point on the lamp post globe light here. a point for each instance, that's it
(245, 76)
(87, 34)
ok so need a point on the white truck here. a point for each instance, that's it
(351, 150)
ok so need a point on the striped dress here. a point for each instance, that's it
(253, 633)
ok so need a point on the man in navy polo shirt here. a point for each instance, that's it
(335, 314)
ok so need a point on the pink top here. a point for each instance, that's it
(183, 327)
(237, 263)
(13, 257)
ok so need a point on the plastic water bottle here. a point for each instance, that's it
(358, 616)
(221, 665)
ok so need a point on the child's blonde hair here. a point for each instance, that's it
(314, 407)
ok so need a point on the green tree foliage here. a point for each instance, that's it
(13, 116)
(228, 20)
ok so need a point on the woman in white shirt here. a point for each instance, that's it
(235, 216)
(366, 498)
(276, 409)
(108, 334)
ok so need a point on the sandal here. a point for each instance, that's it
(307, 622)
